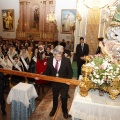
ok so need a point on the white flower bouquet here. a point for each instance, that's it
(104, 71)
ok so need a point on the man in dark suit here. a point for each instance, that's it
(63, 43)
(82, 50)
(59, 66)
(2, 100)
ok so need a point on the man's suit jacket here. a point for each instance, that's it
(65, 70)
(48, 54)
(80, 52)
(1, 80)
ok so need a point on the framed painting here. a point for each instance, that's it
(8, 20)
(68, 18)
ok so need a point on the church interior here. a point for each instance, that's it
(29, 27)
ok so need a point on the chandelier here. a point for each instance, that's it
(51, 17)
(95, 4)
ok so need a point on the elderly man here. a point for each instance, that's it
(64, 52)
(59, 66)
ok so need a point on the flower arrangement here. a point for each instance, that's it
(103, 70)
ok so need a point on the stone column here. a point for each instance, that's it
(25, 16)
(47, 11)
(43, 20)
(21, 17)
(28, 16)
(40, 18)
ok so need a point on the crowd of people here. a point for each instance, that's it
(29, 56)
(41, 58)
(69, 46)
(22, 56)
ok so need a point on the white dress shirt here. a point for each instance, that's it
(54, 63)
(82, 45)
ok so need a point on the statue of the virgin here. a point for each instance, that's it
(111, 44)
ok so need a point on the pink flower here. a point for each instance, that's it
(101, 66)
(105, 79)
(91, 56)
(111, 85)
(98, 55)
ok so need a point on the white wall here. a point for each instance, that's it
(9, 4)
(63, 4)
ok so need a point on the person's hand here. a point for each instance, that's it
(67, 83)
(82, 58)
(36, 78)
(41, 73)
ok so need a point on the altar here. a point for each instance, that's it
(36, 21)
(94, 106)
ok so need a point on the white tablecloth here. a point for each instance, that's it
(22, 92)
(94, 106)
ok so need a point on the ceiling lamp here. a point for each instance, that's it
(95, 4)
(51, 17)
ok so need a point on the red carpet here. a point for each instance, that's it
(44, 108)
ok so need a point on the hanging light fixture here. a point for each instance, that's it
(96, 4)
(51, 18)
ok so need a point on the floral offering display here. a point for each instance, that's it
(104, 71)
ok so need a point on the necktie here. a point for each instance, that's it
(56, 66)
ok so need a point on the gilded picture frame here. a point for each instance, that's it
(8, 20)
(68, 18)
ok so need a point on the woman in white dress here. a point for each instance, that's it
(67, 23)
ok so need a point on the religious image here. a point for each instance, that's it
(8, 20)
(36, 18)
(68, 18)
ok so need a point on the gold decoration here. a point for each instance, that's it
(96, 4)
(85, 84)
(113, 93)
(87, 59)
(114, 89)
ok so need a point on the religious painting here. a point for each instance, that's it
(68, 18)
(8, 20)
(36, 17)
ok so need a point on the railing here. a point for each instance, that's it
(42, 77)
